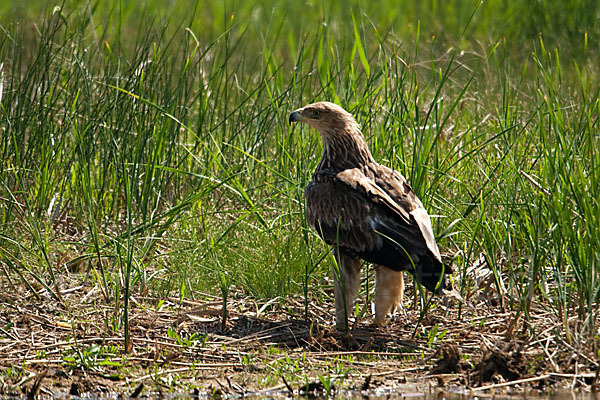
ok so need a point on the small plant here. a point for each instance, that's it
(224, 286)
(340, 368)
(434, 337)
(91, 358)
(246, 359)
(172, 333)
(40, 355)
(196, 339)
(328, 383)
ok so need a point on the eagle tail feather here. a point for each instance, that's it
(430, 272)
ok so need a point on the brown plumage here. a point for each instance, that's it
(368, 211)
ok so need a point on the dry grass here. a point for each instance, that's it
(70, 347)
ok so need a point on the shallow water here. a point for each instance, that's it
(438, 394)
(390, 395)
(405, 391)
(414, 392)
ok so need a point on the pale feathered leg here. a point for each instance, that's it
(389, 292)
(346, 285)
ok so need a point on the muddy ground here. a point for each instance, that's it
(76, 347)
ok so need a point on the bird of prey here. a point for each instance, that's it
(365, 210)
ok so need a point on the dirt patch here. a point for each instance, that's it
(76, 347)
(507, 364)
(449, 360)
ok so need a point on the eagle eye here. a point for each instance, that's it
(316, 113)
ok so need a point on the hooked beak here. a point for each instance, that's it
(295, 116)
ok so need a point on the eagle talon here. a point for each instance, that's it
(377, 324)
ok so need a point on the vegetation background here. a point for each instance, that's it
(144, 146)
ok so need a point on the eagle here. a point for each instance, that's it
(365, 210)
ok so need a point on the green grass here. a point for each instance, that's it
(149, 147)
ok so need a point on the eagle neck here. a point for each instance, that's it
(344, 151)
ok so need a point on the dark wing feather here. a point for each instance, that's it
(394, 184)
(354, 212)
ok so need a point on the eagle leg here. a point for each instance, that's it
(389, 292)
(346, 284)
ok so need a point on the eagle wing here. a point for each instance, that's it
(393, 183)
(376, 217)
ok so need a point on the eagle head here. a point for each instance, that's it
(327, 118)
